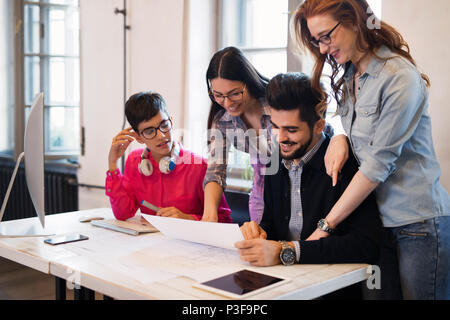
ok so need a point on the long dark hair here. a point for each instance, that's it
(231, 64)
(349, 12)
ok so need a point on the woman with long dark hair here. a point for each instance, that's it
(237, 93)
(239, 116)
(383, 100)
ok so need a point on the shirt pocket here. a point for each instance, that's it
(366, 120)
(343, 112)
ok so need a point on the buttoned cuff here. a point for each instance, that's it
(110, 176)
(112, 173)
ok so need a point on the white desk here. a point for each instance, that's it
(116, 273)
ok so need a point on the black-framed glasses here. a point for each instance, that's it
(150, 132)
(325, 39)
(233, 97)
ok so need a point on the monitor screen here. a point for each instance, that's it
(34, 173)
(34, 155)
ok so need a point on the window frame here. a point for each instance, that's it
(19, 82)
(293, 63)
(237, 175)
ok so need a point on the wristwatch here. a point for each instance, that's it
(287, 254)
(324, 226)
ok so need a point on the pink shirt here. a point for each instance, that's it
(182, 188)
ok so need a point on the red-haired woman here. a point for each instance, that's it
(383, 100)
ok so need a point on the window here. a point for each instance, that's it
(51, 63)
(260, 29)
(49, 60)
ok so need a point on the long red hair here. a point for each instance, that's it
(350, 13)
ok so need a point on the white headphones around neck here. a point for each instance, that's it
(166, 164)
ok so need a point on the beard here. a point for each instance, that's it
(298, 153)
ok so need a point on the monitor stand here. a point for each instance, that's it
(24, 230)
(27, 229)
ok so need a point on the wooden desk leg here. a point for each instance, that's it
(89, 294)
(77, 293)
(83, 294)
(60, 289)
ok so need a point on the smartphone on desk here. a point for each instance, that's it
(65, 239)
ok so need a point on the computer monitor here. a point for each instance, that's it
(34, 173)
(34, 156)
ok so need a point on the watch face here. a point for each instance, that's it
(321, 224)
(288, 256)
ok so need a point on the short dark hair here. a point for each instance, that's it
(291, 91)
(143, 106)
(230, 63)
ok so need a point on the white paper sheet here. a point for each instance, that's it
(111, 248)
(223, 235)
(196, 261)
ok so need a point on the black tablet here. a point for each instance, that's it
(241, 284)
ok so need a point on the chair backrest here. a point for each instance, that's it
(238, 202)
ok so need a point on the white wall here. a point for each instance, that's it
(169, 46)
(155, 62)
(425, 27)
(201, 45)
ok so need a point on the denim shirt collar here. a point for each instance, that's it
(375, 65)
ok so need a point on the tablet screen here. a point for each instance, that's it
(242, 282)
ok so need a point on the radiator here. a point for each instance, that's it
(61, 193)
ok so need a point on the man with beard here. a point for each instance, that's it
(300, 194)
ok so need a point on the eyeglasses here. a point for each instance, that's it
(233, 97)
(325, 39)
(150, 132)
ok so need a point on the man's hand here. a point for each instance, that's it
(336, 156)
(260, 252)
(119, 144)
(173, 212)
(251, 230)
(317, 234)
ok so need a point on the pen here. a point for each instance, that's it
(149, 205)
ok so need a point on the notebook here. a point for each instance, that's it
(133, 226)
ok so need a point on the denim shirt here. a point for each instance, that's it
(389, 129)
